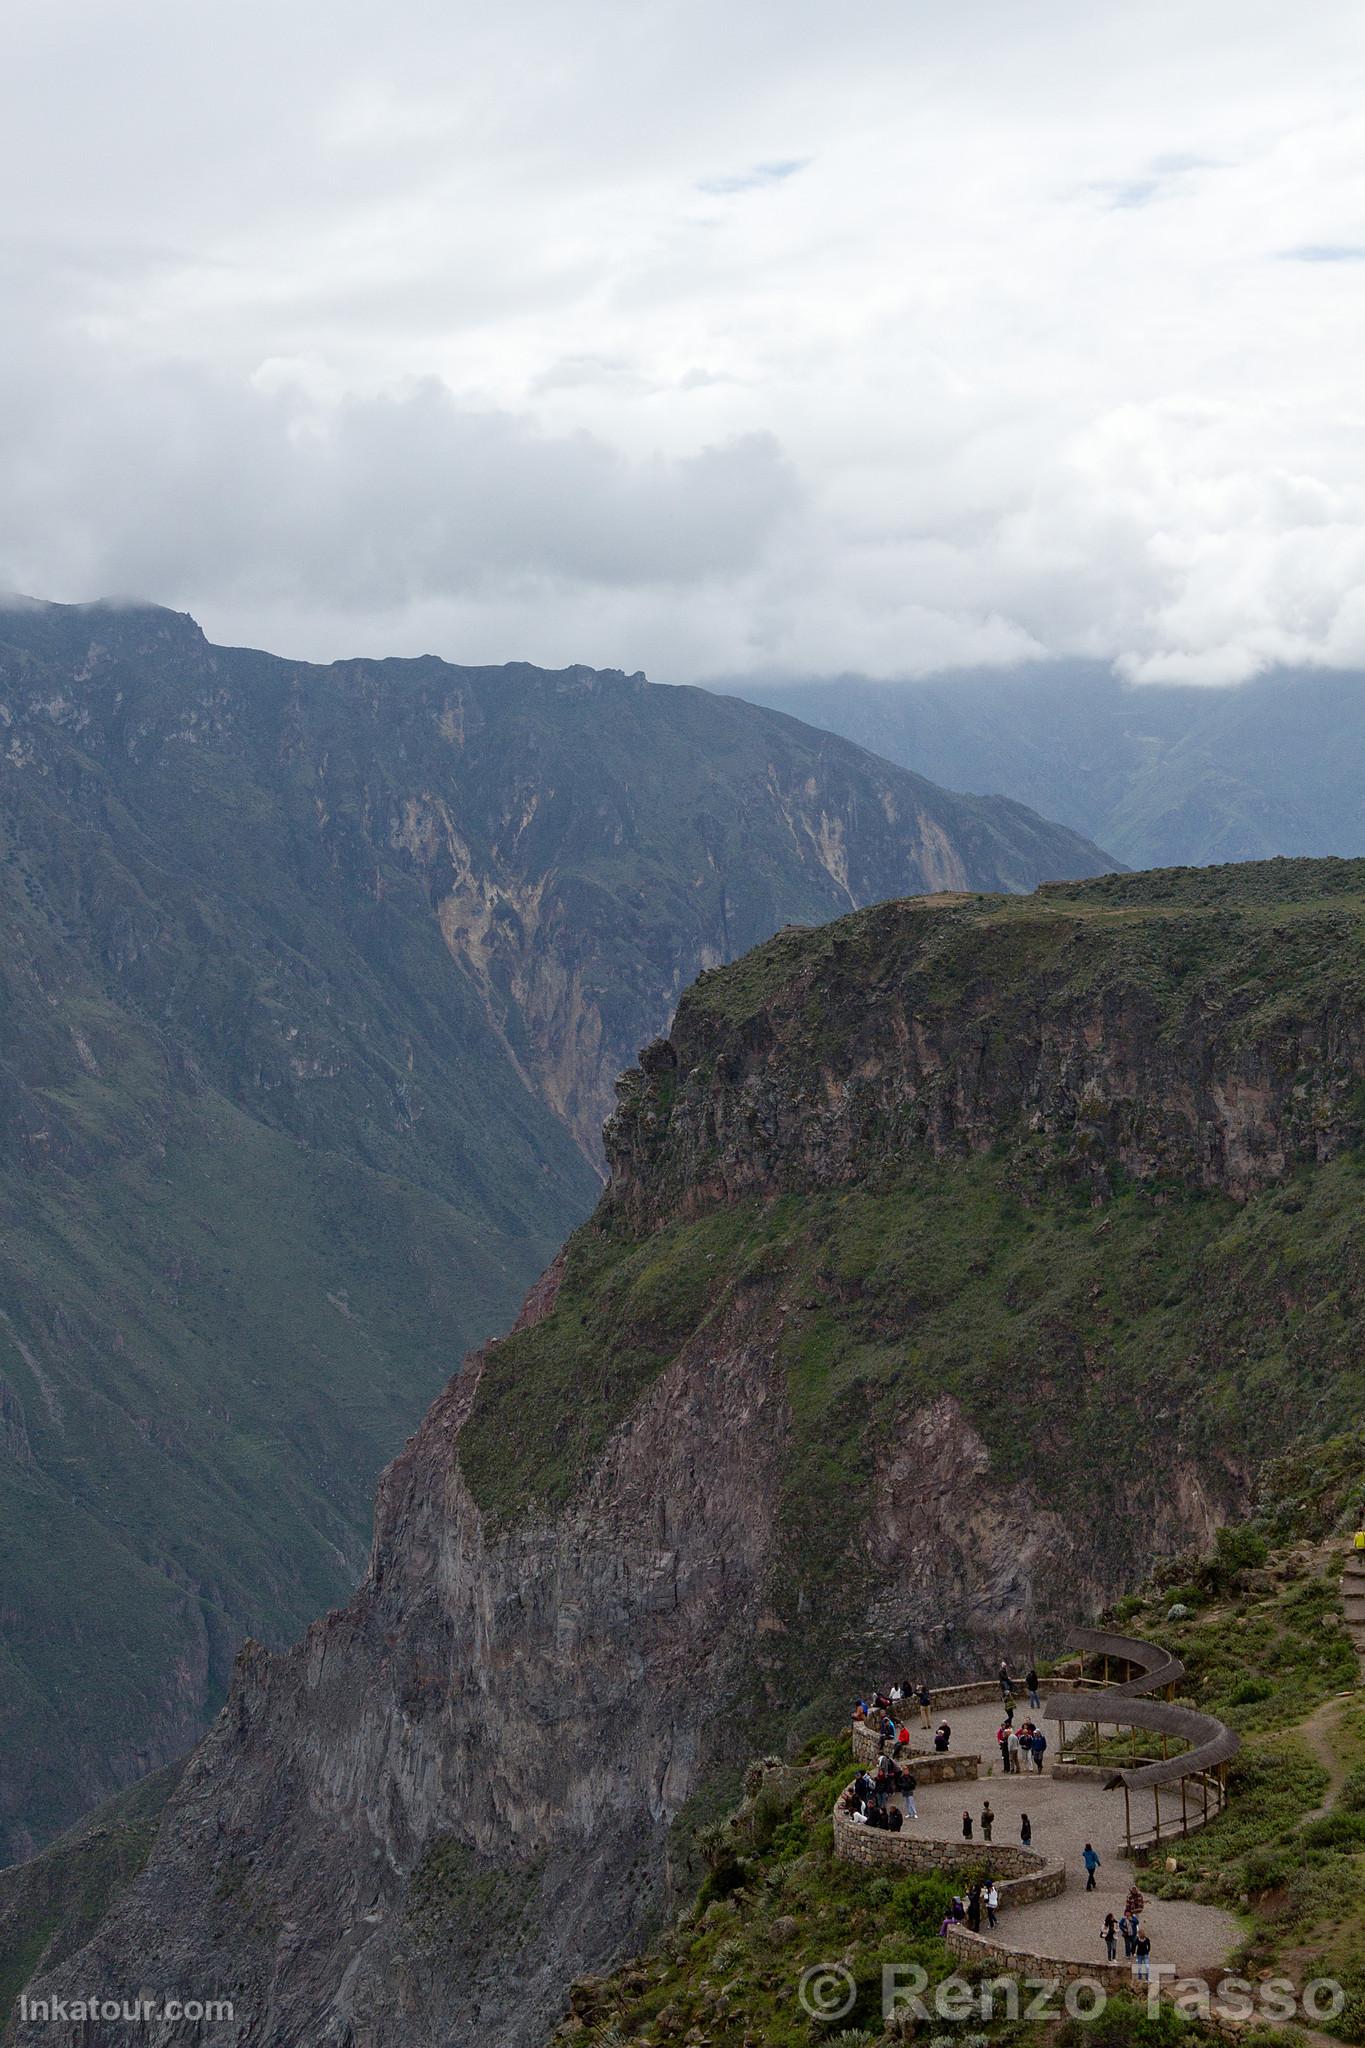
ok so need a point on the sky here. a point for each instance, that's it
(702, 339)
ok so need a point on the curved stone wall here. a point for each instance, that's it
(1021, 1876)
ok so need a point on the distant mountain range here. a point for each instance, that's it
(315, 985)
(1158, 774)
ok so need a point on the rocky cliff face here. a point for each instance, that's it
(314, 987)
(954, 1261)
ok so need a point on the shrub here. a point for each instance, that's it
(920, 1901)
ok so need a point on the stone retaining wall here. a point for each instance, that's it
(931, 1765)
(1021, 1876)
(998, 1957)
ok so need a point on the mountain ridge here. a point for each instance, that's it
(1161, 772)
(314, 988)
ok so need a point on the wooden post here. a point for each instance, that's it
(1206, 1795)
(1127, 1820)
(1184, 1818)
(1156, 1801)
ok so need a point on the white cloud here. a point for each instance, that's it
(692, 337)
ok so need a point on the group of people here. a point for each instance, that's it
(980, 1897)
(1020, 1746)
(1128, 1928)
(871, 1798)
(886, 1708)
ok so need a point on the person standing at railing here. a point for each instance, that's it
(1032, 1683)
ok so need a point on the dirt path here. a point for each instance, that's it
(1317, 1732)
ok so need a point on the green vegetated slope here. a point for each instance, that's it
(1156, 772)
(1008, 1259)
(51, 1905)
(311, 986)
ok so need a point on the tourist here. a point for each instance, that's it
(902, 1740)
(1111, 1937)
(966, 1825)
(955, 1908)
(1126, 1930)
(860, 1711)
(1009, 1713)
(926, 1700)
(1032, 1683)
(1002, 1737)
(897, 1694)
(1134, 1906)
(1012, 1752)
(992, 1902)
(908, 1784)
(895, 1820)
(943, 1735)
(1091, 1859)
(1005, 1687)
(1142, 1952)
(888, 1732)
(987, 1821)
(974, 1908)
(1037, 1747)
(1025, 1829)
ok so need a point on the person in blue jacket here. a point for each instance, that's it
(1091, 1859)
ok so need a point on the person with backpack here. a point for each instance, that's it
(1091, 1859)
(1111, 1937)
(1126, 1930)
(987, 1821)
(926, 1700)
(908, 1784)
(1142, 1958)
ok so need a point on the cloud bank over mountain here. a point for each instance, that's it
(886, 339)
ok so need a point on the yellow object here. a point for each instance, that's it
(1360, 1539)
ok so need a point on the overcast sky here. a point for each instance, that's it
(701, 338)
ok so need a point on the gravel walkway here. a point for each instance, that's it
(1066, 1814)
